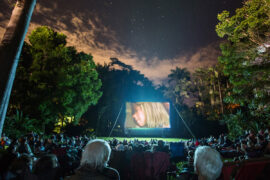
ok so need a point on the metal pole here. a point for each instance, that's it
(116, 120)
(184, 122)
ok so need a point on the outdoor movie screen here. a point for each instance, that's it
(147, 115)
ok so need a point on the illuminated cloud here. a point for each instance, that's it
(87, 33)
(158, 69)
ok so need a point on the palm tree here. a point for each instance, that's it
(179, 73)
(178, 84)
(10, 50)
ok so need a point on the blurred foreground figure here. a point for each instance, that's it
(207, 163)
(94, 161)
(47, 167)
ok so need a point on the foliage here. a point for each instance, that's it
(250, 24)
(54, 81)
(210, 87)
(245, 57)
(178, 85)
(240, 121)
(178, 91)
(181, 165)
(235, 124)
(18, 125)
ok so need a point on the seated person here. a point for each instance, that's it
(94, 161)
(267, 149)
(47, 167)
(207, 163)
(161, 147)
(227, 142)
(261, 143)
(20, 168)
(252, 151)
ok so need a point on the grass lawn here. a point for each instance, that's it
(144, 138)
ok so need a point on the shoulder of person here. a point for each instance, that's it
(111, 173)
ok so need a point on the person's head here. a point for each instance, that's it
(47, 167)
(250, 144)
(190, 153)
(160, 143)
(96, 154)
(238, 147)
(207, 163)
(21, 164)
(260, 139)
(46, 163)
(22, 140)
(139, 148)
(151, 114)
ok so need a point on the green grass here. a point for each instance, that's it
(144, 138)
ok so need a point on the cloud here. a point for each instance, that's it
(1, 15)
(86, 31)
(157, 70)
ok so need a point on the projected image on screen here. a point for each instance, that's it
(147, 115)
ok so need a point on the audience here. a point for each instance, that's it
(57, 157)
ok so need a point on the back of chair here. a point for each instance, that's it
(177, 149)
(253, 170)
(246, 170)
(149, 165)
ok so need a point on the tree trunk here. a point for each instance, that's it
(212, 97)
(200, 94)
(214, 88)
(220, 97)
(10, 50)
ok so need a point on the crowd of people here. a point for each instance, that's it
(249, 145)
(73, 158)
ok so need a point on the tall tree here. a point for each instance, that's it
(10, 50)
(178, 91)
(245, 57)
(178, 84)
(54, 81)
(211, 86)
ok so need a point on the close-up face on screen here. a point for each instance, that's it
(147, 115)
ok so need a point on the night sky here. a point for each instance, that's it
(165, 28)
(154, 36)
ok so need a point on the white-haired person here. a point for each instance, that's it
(94, 162)
(207, 163)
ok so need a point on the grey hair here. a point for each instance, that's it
(207, 162)
(96, 154)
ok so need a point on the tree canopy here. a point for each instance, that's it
(54, 81)
(245, 57)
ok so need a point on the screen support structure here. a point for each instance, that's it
(116, 120)
(189, 130)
